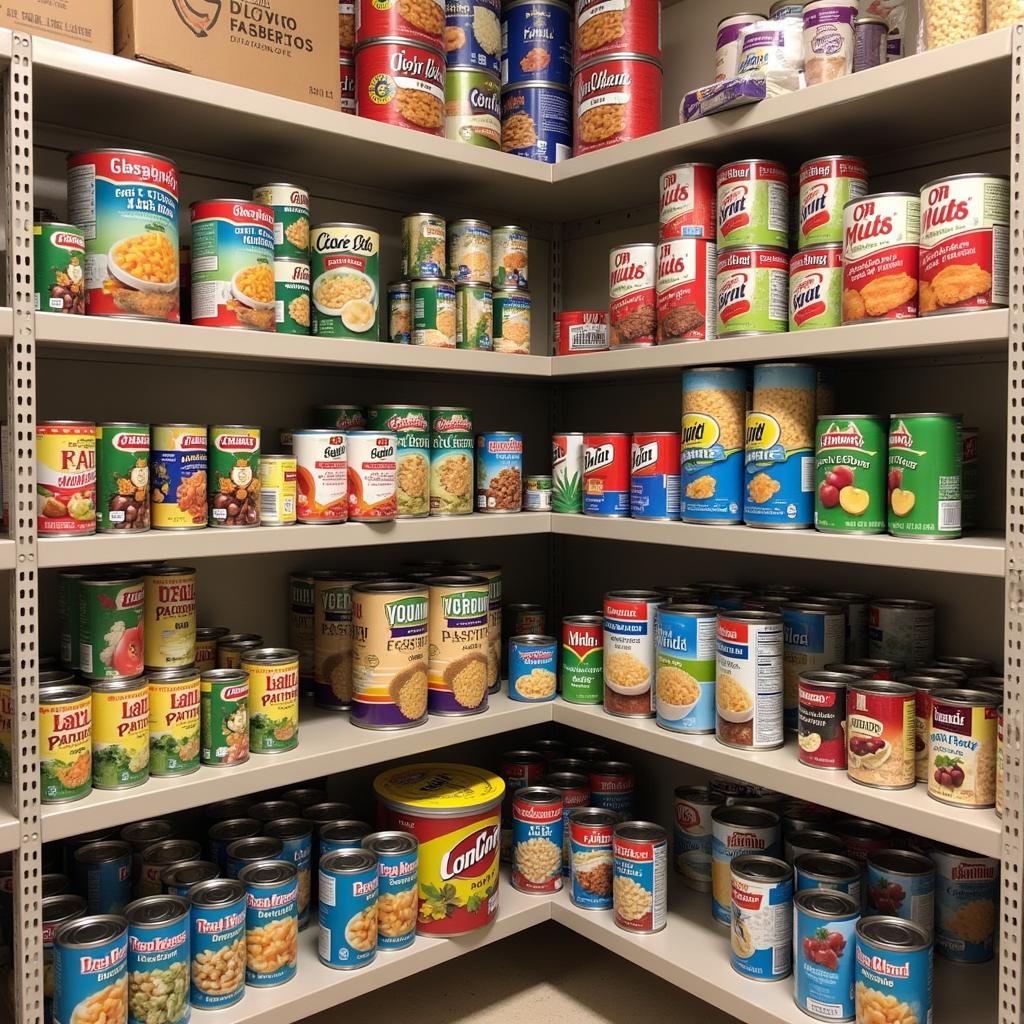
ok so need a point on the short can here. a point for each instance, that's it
(56, 910)
(810, 840)
(217, 910)
(178, 879)
(685, 667)
(414, 22)
(296, 835)
(321, 476)
(399, 331)
(469, 251)
(499, 472)
(686, 289)
(537, 488)
(58, 252)
(424, 248)
(277, 493)
(816, 288)
(691, 832)
(567, 468)
(170, 622)
(688, 202)
(273, 699)
(639, 876)
(372, 475)
(828, 39)
(401, 82)
(965, 227)
(727, 48)
(472, 35)
(120, 733)
(459, 638)
(828, 871)
(178, 476)
(537, 840)
(472, 108)
(582, 662)
(390, 646)
(893, 972)
(474, 317)
(925, 475)
(233, 264)
(821, 711)
(111, 628)
(224, 716)
(451, 461)
(158, 959)
(433, 313)
(962, 747)
(850, 474)
(881, 250)
(511, 314)
(633, 294)
(102, 873)
(580, 330)
(232, 646)
(510, 257)
(536, 42)
(654, 476)
(606, 465)
(738, 830)
(752, 292)
(880, 734)
(612, 787)
(813, 636)
(616, 98)
(591, 831)
(901, 632)
(411, 426)
(626, 28)
(345, 281)
(290, 206)
(90, 969)
(824, 947)
(126, 204)
(749, 679)
(122, 477)
(271, 922)
(397, 901)
(630, 643)
(761, 926)
(827, 184)
(349, 906)
(966, 905)
(870, 43)
(291, 297)
(174, 721)
(901, 883)
(532, 668)
(753, 204)
(66, 478)
(341, 834)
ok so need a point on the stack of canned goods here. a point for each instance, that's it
(472, 82)
(290, 204)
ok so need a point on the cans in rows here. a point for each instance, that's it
(761, 925)
(630, 640)
(686, 289)
(814, 635)
(691, 847)
(639, 876)
(685, 667)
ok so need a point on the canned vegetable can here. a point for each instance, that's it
(158, 960)
(397, 901)
(90, 969)
(348, 887)
(271, 922)
(65, 743)
(217, 943)
(224, 716)
(273, 699)
(122, 477)
(59, 261)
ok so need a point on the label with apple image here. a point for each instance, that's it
(850, 474)
(925, 475)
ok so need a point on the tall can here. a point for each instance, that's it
(345, 273)
(332, 639)
(398, 898)
(762, 917)
(499, 472)
(174, 721)
(102, 873)
(632, 294)
(511, 310)
(753, 204)
(290, 206)
(591, 832)
(56, 910)
(170, 617)
(434, 321)
(322, 476)
(469, 251)
(120, 733)
(688, 202)
(736, 830)
(686, 636)
(491, 573)
(271, 922)
(300, 624)
(349, 887)
(606, 486)
(691, 842)
(510, 247)
(90, 968)
(925, 475)
(224, 716)
(273, 699)
(372, 475)
(69, 616)
(111, 629)
(343, 417)
(813, 636)
(177, 476)
(749, 679)
(451, 461)
(474, 317)
(217, 943)
(639, 877)
(629, 651)
(850, 474)
(411, 426)
(158, 959)
(537, 840)
(234, 458)
(399, 295)
(654, 476)
(66, 478)
(567, 472)
(459, 606)
(582, 663)
(893, 971)
(824, 947)
(122, 477)
(613, 787)
(827, 184)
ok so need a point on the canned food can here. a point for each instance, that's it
(290, 206)
(58, 252)
(809, 840)
(606, 465)
(576, 793)
(90, 969)
(639, 882)
(451, 461)
(612, 787)
(925, 467)
(537, 493)
(762, 917)
(273, 699)
(753, 204)
(850, 474)
(970, 478)
(433, 313)
(752, 291)
(224, 716)
(66, 477)
(154, 857)
(122, 477)
(824, 946)
(686, 289)
(170, 617)
(966, 905)
(727, 50)
(341, 834)
(158, 959)
(419, 103)
(632, 29)
(518, 768)
(339, 417)
(828, 39)
(536, 42)
(816, 288)
(582, 330)
(178, 472)
(291, 297)
(217, 943)
(332, 639)
(510, 257)
(831, 871)
(68, 617)
(691, 834)
(277, 490)
(345, 275)
(511, 312)
(962, 747)
(632, 294)
(582, 665)
(737, 830)
(880, 734)
(111, 610)
(616, 97)
(685, 667)
(174, 721)
(322, 476)
(630, 642)
(491, 573)
(423, 246)
(813, 635)
(871, 43)
(472, 107)
(654, 476)
(178, 879)
(474, 316)
(532, 665)
(590, 857)
(120, 733)
(140, 835)
(271, 922)
(567, 466)
(296, 835)
(688, 202)
(349, 904)
(372, 475)
(749, 679)
(901, 883)
(399, 294)
(397, 867)
(827, 184)
(893, 972)
(821, 708)
(473, 35)
(102, 874)
(231, 647)
(901, 632)
(57, 910)
(499, 472)
(923, 685)
(537, 840)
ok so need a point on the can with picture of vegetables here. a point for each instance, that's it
(65, 743)
(111, 609)
(273, 699)
(224, 716)
(423, 246)
(59, 255)
(850, 474)
(120, 733)
(234, 476)
(66, 477)
(411, 425)
(122, 477)
(451, 461)
(174, 721)
(474, 317)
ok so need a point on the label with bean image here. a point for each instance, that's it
(881, 734)
(458, 644)
(170, 630)
(271, 922)
(291, 297)
(174, 722)
(224, 716)
(639, 877)
(120, 733)
(349, 894)
(122, 477)
(411, 426)
(217, 943)
(111, 611)
(850, 474)
(158, 960)
(893, 971)
(397, 869)
(234, 464)
(925, 475)
(685, 667)
(90, 970)
(537, 833)
(499, 472)
(65, 743)
(178, 469)
(273, 699)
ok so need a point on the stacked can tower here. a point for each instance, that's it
(472, 39)
(290, 204)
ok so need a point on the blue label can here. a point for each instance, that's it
(217, 943)
(691, 835)
(828, 871)
(813, 636)
(90, 969)
(536, 42)
(56, 912)
(825, 946)
(296, 835)
(348, 887)
(271, 922)
(499, 472)
(685, 655)
(243, 852)
(397, 856)
(893, 972)
(223, 833)
(103, 875)
(158, 960)
(178, 879)
(473, 34)
(966, 905)
(761, 922)
(342, 835)
(901, 883)
(654, 465)
(536, 121)
(532, 668)
(714, 424)
(590, 857)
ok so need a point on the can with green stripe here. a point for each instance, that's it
(451, 461)
(290, 204)
(474, 316)
(925, 475)
(433, 313)
(59, 262)
(224, 716)
(850, 453)
(582, 671)
(291, 296)
(411, 425)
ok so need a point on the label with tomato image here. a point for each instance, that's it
(816, 288)
(753, 204)
(753, 291)
(372, 468)
(111, 626)
(850, 472)
(826, 186)
(901, 884)
(826, 924)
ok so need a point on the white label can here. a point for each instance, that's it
(748, 688)
(322, 476)
(372, 475)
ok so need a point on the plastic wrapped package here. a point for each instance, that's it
(895, 14)
(772, 47)
(1003, 13)
(950, 21)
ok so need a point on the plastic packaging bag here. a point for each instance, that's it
(1003, 13)
(772, 46)
(950, 21)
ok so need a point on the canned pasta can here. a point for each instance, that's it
(177, 476)
(345, 276)
(591, 830)
(685, 667)
(826, 924)
(532, 664)
(158, 959)
(491, 573)
(348, 885)
(537, 840)
(271, 922)
(748, 690)
(411, 426)
(90, 969)
(736, 830)
(273, 699)
(296, 835)
(639, 882)
(629, 651)
(397, 856)
(451, 461)
(217, 943)
(762, 917)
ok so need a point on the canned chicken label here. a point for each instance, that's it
(217, 945)
(472, 108)
(881, 734)
(606, 463)
(629, 651)
(537, 839)
(616, 27)
(433, 314)
(735, 832)
(816, 288)
(59, 255)
(273, 701)
(827, 184)
(178, 471)
(510, 257)
(349, 896)
(532, 664)
(291, 297)
(290, 205)
(761, 928)
(688, 202)
(458, 642)
(687, 269)
(174, 723)
(752, 292)
(966, 905)
(753, 204)
(472, 35)
(583, 330)
(271, 923)
(813, 636)
(749, 673)
(615, 98)
(322, 476)
(590, 853)
(66, 478)
(170, 618)
(65, 744)
(372, 470)
(345, 274)
(925, 475)
(474, 316)
(685, 668)
(401, 82)
(582, 663)
(423, 22)
(639, 882)
(536, 42)
(512, 321)
(451, 461)
(850, 476)
(654, 476)
(893, 973)
(122, 476)
(120, 735)
(91, 978)
(824, 947)
(691, 844)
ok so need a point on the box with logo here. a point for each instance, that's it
(82, 22)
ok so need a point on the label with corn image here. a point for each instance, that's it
(925, 475)
(65, 743)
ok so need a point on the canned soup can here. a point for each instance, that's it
(277, 494)
(158, 959)
(332, 639)
(532, 667)
(692, 835)
(537, 840)
(685, 667)
(217, 943)
(821, 724)
(178, 879)
(654, 476)
(762, 917)
(893, 972)
(348, 887)
(397, 902)
(271, 922)
(824, 947)
(902, 632)
(451, 461)
(90, 969)
(881, 734)
(737, 830)
(639, 882)
(590, 857)
(273, 699)
(345, 273)
(322, 476)
(966, 905)
(749, 680)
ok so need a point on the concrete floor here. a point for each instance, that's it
(547, 975)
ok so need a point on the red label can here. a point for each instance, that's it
(632, 294)
(882, 668)
(654, 476)
(688, 202)
(581, 330)
(537, 840)
(399, 81)
(881, 733)
(606, 474)
(821, 706)
(687, 281)
(421, 21)
(602, 28)
(347, 83)
(612, 784)
(519, 768)
(615, 99)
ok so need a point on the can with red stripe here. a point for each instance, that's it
(753, 284)
(538, 834)
(654, 476)
(606, 486)
(615, 98)
(581, 330)
(688, 202)
(827, 184)
(639, 878)
(632, 294)
(687, 269)
(816, 288)
(616, 27)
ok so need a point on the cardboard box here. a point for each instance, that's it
(82, 22)
(286, 47)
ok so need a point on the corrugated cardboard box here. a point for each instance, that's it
(82, 22)
(287, 47)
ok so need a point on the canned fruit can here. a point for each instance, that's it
(217, 943)
(962, 747)
(170, 617)
(827, 184)
(881, 235)
(120, 733)
(424, 246)
(459, 637)
(639, 882)
(582, 664)
(271, 922)
(727, 51)
(290, 206)
(901, 883)
(654, 476)
(65, 743)
(339, 417)
(630, 643)
(738, 830)
(499, 472)
(893, 969)
(582, 330)
(616, 97)
(816, 288)
(761, 927)
(828, 39)
(122, 477)
(752, 292)
(825, 943)
(224, 716)
(296, 835)
(472, 35)
(536, 42)
(688, 202)
(685, 667)
(567, 472)
(780, 447)
(433, 313)
(158, 959)
(58, 251)
(277, 490)
(349, 900)
(90, 969)
(510, 246)
(321, 476)
(291, 297)
(178, 476)
(880, 734)
(474, 316)
(397, 868)
(111, 613)
(451, 461)
(850, 474)
(821, 709)
(925, 475)
(965, 224)
(813, 636)
(537, 490)
(687, 269)
(345, 275)
(632, 294)
(469, 251)
(901, 632)
(691, 845)
(126, 204)
(532, 668)
(454, 813)
(606, 465)
(389, 654)
(102, 873)
(511, 314)
(753, 204)
(273, 699)
(749, 680)
(372, 475)
(966, 905)
(590, 857)
(174, 721)
(399, 294)
(828, 871)
(537, 840)
(472, 107)
(66, 477)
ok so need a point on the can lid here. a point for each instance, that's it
(744, 814)
(893, 933)
(152, 911)
(218, 892)
(348, 861)
(141, 833)
(345, 831)
(271, 810)
(538, 795)
(390, 842)
(439, 788)
(641, 831)
(269, 656)
(967, 698)
(826, 903)
(96, 930)
(836, 866)
(102, 851)
(593, 816)
(327, 810)
(755, 867)
(903, 862)
(189, 873)
(234, 828)
(288, 828)
(65, 906)
(255, 848)
(169, 851)
(566, 781)
(267, 873)
(532, 640)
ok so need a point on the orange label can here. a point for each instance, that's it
(322, 474)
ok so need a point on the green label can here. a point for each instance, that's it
(291, 218)
(224, 716)
(971, 472)
(345, 281)
(234, 476)
(411, 426)
(753, 291)
(474, 316)
(473, 107)
(433, 313)
(69, 618)
(850, 473)
(400, 313)
(111, 608)
(59, 255)
(423, 246)
(512, 321)
(291, 296)
(582, 672)
(925, 475)
(451, 461)
(753, 204)
(816, 288)
(122, 477)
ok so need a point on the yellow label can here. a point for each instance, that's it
(65, 743)
(273, 699)
(278, 477)
(174, 721)
(169, 634)
(207, 638)
(120, 733)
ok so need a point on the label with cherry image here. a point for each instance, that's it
(822, 728)
(881, 734)
(826, 924)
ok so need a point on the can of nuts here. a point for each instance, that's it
(581, 330)
(616, 97)
(349, 888)
(925, 475)
(122, 477)
(582, 662)
(827, 184)
(322, 476)
(537, 839)
(962, 747)
(397, 856)
(271, 922)
(737, 830)
(688, 202)
(120, 733)
(273, 699)
(749, 673)
(458, 631)
(277, 492)
(66, 477)
(822, 718)
(511, 316)
(881, 733)
(224, 716)
(752, 292)
(606, 465)
(639, 882)
(217, 943)
(816, 288)
(499, 472)
(902, 632)
(612, 787)
(762, 917)
(629, 651)
(632, 292)
(590, 857)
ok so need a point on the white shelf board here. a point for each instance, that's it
(909, 809)
(973, 555)
(7, 555)
(10, 831)
(328, 743)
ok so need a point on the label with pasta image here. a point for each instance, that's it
(685, 672)
(639, 877)
(537, 840)
(629, 639)
(532, 668)
(749, 674)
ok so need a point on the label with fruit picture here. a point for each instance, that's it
(901, 883)
(925, 475)
(111, 609)
(825, 923)
(850, 474)
(880, 734)
(962, 747)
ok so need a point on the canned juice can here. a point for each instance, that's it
(630, 651)
(813, 635)
(639, 877)
(122, 477)
(271, 922)
(685, 667)
(537, 840)
(499, 472)
(591, 832)
(120, 733)
(567, 472)
(881, 733)
(762, 917)
(901, 883)
(850, 474)
(348, 888)
(654, 476)
(398, 895)
(217, 943)
(170, 618)
(736, 830)
(158, 959)
(825, 944)
(322, 476)
(691, 845)
(925, 475)
(224, 716)
(582, 665)
(177, 476)
(893, 969)
(277, 492)
(90, 969)
(532, 668)
(749, 679)
(273, 699)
